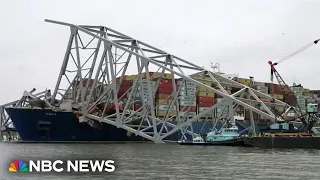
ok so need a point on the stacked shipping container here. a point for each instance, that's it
(164, 99)
(192, 101)
(187, 98)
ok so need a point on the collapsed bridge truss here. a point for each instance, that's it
(93, 69)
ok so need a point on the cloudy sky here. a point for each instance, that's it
(240, 35)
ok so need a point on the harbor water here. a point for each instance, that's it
(169, 161)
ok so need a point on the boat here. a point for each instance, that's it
(286, 135)
(226, 136)
(295, 140)
(46, 125)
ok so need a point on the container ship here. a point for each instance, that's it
(42, 124)
(86, 113)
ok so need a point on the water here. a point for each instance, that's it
(169, 161)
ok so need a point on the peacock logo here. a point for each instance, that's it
(18, 166)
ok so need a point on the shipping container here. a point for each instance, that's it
(126, 83)
(187, 93)
(165, 85)
(205, 99)
(200, 109)
(202, 78)
(166, 107)
(187, 103)
(188, 108)
(262, 88)
(208, 94)
(156, 75)
(164, 113)
(311, 100)
(260, 84)
(137, 107)
(187, 89)
(165, 91)
(244, 81)
(187, 114)
(205, 104)
(163, 96)
(274, 88)
(130, 77)
(163, 102)
(188, 98)
(186, 83)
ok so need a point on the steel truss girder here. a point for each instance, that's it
(5, 122)
(104, 72)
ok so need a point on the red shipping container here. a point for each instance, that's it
(164, 80)
(274, 88)
(84, 82)
(166, 85)
(205, 99)
(192, 108)
(165, 90)
(206, 104)
(137, 106)
(120, 93)
(124, 88)
(126, 83)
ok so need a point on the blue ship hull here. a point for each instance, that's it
(46, 125)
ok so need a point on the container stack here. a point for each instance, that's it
(261, 87)
(187, 98)
(164, 98)
(244, 81)
(138, 101)
(298, 91)
(124, 87)
(205, 97)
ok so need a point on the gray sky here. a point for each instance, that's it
(240, 35)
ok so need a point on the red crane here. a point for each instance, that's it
(288, 96)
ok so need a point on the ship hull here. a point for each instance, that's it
(308, 142)
(37, 125)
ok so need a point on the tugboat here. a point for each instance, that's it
(226, 136)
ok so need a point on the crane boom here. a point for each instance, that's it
(288, 96)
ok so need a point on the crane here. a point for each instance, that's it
(288, 96)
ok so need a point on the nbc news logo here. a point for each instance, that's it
(57, 166)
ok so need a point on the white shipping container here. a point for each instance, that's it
(261, 84)
(191, 89)
(311, 100)
(298, 93)
(183, 93)
(145, 82)
(188, 98)
(200, 109)
(187, 83)
(166, 107)
(189, 114)
(264, 92)
(262, 88)
(186, 103)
